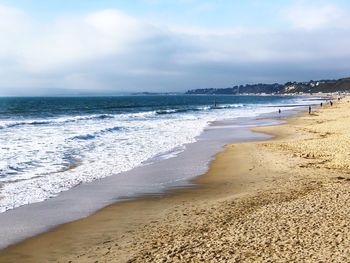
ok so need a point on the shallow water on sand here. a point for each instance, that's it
(157, 176)
(49, 145)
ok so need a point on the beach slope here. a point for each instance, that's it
(284, 199)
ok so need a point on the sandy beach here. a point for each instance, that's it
(281, 200)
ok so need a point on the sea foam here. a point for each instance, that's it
(42, 157)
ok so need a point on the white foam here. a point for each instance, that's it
(40, 161)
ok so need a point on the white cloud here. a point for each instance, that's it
(313, 17)
(12, 19)
(110, 50)
(71, 41)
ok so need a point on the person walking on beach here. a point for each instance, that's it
(309, 109)
(331, 103)
(321, 104)
(279, 111)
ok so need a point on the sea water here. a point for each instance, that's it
(49, 145)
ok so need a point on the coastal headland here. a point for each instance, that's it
(281, 200)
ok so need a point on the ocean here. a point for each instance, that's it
(50, 145)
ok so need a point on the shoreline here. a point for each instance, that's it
(34, 219)
(212, 190)
(142, 207)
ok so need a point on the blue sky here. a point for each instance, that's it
(193, 12)
(167, 45)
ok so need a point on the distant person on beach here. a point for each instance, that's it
(279, 111)
(309, 109)
(321, 104)
(331, 103)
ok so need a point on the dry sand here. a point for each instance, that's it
(281, 200)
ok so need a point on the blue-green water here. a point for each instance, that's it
(41, 107)
(49, 145)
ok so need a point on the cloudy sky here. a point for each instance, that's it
(109, 46)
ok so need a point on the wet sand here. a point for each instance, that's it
(155, 177)
(280, 200)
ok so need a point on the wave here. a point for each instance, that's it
(91, 136)
(227, 106)
(204, 108)
(84, 137)
(146, 114)
(62, 120)
(93, 117)
(171, 111)
(56, 121)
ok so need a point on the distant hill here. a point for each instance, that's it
(325, 86)
(255, 88)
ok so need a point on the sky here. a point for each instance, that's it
(65, 47)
